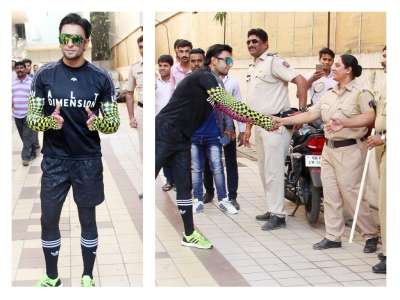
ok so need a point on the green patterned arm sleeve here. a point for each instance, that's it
(239, 111)
(36, 119)
(110, 121)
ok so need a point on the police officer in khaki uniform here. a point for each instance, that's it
(379, 142)
(268, 93)
(135, 82)
(344, 154)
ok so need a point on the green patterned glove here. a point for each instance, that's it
(110, 121)
(36, 119)
(239, 111)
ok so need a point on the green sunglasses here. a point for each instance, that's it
(65, 38)
(228, 60)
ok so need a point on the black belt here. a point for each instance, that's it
(342, 143)
(140, 104)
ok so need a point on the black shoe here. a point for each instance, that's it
(371, 245)
(167, 187)
(326, 244)
(264, 217)
(381, 256)
(273, 223)
(235, 204)
(208, 197)
(380, 268)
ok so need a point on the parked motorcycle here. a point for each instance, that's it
(303, 171)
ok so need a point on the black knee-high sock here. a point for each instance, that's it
(185, 208)
(87, 218)
(89, 248)
(51, 250)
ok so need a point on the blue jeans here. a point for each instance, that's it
(212, 149)
(232, 174)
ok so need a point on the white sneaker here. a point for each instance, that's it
(226, 206)
(198, 207)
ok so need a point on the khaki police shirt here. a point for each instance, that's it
(267, 84)
(380, 120)
(350, 100)
(135, 80)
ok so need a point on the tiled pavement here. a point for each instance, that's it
(243, 255)
(119, 255)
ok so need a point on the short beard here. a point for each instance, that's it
(77, 56)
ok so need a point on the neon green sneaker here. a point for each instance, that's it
(46, 281)
(196, 240)
(86, 281)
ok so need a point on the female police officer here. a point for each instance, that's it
(344, 154)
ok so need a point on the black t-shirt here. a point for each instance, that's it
(74, 88)
(188, 107)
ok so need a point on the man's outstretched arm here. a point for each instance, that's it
(240, 111)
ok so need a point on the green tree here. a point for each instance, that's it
(221, 18)
(100, 36)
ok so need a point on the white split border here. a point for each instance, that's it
(149, 291)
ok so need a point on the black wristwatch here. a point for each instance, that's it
(303, 109)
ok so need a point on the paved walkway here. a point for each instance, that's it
(119, 255)
(243, 255)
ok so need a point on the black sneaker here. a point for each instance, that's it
(380, 268)
(326, 244)
(235, 203)
(208, 197)
(371, 245)
(264, 217)
(274, 222)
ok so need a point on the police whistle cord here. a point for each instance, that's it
(361, 192)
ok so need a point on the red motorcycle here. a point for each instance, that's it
(303, 171)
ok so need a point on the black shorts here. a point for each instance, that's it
(85, 177)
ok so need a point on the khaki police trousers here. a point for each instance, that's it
(272, 148)
(341, 172)
(381, 160)
(139, 120)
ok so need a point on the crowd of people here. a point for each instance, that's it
(201, 116)
(197, 99)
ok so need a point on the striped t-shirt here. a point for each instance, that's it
(20, 94)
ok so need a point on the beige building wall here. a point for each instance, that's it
(290, 34)
(124, 32)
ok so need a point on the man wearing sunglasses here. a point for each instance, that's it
(267, 85)
(207, 143)
(189, 107)
(65, 102)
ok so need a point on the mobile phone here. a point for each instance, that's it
(319, 67)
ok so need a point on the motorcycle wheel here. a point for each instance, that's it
(313, 205)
